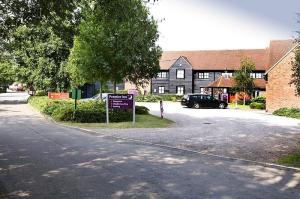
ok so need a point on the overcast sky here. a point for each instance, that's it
(224, 24)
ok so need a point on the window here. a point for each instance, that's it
(252, 75)
(180, 74)
(203, 75)
(227, 75)
(162, 75)
(202, 90)
(161, 89)
(259, 75)
(180, 90)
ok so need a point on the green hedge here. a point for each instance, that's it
(91, 111)
(288, 112)
(256, 105)
(259, 99)
(157, 98)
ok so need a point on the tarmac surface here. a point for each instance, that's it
(41, 160)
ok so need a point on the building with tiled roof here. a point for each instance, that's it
(184, 72)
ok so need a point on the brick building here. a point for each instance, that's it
(280, 93)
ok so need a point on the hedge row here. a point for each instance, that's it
(258, 103)
(91, 111)
(157, 98)
(288, 112)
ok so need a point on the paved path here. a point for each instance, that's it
(14, 98)
(41, 160)
(252, 135)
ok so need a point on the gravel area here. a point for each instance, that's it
(246, 134)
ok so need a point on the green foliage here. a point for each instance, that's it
(141, 110)
(91, 111)
(292, 159)
(243, 82)
(6, 72)
(259, 99)
(41, 93)
(117, 41)
(157, 98)
(288, 112)
(296, 71)
(257, 105)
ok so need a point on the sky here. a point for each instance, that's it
(224, 24)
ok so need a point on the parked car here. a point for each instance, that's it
(16, 87)
(201, 100)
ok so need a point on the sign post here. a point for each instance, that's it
(76, 95)
(120, 101)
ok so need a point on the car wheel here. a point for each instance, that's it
(196, 105)
(222, 106)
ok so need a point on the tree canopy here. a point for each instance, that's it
(116, 42)
(242, 77)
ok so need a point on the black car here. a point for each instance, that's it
(200, 100)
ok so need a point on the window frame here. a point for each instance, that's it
(161, 76)
(177, 70)
(202, 75)
(159, 90)
(183, 90)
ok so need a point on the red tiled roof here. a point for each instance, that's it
(228, 59)
(223, 82)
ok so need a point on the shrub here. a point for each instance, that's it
(256, 105)
(87, 111)
(141, 110)
(259, 99)
(41, 93)
(288, 112)
(157, 98)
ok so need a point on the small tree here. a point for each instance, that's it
(296, 70)
(243, 81)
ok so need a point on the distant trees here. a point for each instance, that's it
(296, 70)
(243, 81)
(116, 42)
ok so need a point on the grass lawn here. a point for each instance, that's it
(233, 106)
(292, 159)
(142, 121)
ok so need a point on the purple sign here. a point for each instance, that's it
(120, 101)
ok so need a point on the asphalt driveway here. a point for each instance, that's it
(42, 160)
(246, 134)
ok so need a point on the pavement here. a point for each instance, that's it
(246, 134)
(41, 160)
(14, 98)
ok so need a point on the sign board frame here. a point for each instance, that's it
(120, 101)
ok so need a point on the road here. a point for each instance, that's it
(14, 98)
(41, 160)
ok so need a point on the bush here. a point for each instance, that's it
(256, 105)
(157, 98)
(259, 99)
(288, 112)
(41, 93)
(141, 110)
(87, 111)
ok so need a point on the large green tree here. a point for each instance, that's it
(242, 78)
(38, 35)
(117, 42)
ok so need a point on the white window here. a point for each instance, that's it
(162, 75)
(180, 74)
(161, 89)
(227, 75)
(180, 90)
(202, 90)
(252, 75)
(259, 75)
(203, 75)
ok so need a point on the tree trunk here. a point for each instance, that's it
(115, 87)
